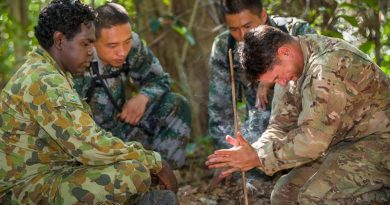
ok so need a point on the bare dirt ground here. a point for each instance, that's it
(194, 180)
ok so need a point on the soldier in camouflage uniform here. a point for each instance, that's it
(330, 122)
(51, 150)
(240, 16)
(155, 117)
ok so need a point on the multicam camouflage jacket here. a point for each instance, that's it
(44, 127)
(145, 71)
(341, 96)
(220, 110)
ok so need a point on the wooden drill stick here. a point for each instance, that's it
(243, 178)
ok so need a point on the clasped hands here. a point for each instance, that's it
(241, 157)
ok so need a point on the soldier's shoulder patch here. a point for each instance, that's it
(72, 98)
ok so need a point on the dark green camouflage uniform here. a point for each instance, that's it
(220, 109)
(51, 150)
(165, 126)
(333, 127)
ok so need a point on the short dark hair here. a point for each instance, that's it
(236, 6)
(65, 16)
(108, 15)
(259, 48)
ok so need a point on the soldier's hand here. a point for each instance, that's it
(134, 109)
(166, 178)
(241, 157)
(263, 91)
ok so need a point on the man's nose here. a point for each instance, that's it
(243, 31)
(121, 51)
(90, 50)
(242, 34)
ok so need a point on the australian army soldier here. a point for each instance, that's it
(51, 150)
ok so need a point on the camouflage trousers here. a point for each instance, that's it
(165, 128)
(119, 183)
(353, 173)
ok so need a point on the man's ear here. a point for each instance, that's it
(263, 16)
(58, 40)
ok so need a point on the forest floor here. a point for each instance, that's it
(195, 177)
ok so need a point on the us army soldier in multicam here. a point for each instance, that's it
(165, 125)
(220, 110)
(51, 150)
(332, 125)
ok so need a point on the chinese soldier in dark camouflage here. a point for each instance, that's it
(51, 150)
(155, 117)
(330, 122)
(240, 16)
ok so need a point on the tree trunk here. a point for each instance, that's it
(19, 14)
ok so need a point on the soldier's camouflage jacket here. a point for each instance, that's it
(46, 130)
(220, 110)
(341, 96)
(166, 124)
(146, 73)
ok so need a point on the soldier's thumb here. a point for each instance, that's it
(241, 139)
(231, 140)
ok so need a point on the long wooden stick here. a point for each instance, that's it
(243, 178)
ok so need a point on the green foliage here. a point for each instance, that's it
(386, 64)
(7, 58)
(351, 20)
(200, 147)
(154, 24)
(183, 31)
(167, 2)
(130, 6)
(14, 36)
(364, 23)
(372, 3)
(157, 23)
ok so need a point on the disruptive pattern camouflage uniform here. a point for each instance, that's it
(165, 126)
(333, 126)
(220, 110)
(51, 150)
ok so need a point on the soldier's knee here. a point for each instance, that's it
(306, 198)
(313, 192)
(134, 175)
(283, 193)
(277, 198)
(180, 106)
(380, 196)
